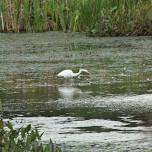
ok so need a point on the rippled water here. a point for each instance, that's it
(109, 110)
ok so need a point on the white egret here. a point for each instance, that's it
(71, 74)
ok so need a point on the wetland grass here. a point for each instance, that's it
(102, 17)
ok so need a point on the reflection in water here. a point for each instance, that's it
(69, 92)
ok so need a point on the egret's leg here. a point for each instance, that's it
(72, 82)
(66, 82)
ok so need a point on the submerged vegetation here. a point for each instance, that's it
(24, 139)
(103, 17)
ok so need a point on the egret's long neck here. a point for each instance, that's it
(77, 74)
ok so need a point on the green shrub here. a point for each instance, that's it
(24, 139)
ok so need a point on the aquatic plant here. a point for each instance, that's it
(112, 17)
(25, 139)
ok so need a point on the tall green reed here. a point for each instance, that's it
(103, 17)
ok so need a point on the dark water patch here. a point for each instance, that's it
(96, 129)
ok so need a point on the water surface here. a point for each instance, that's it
(110, 110)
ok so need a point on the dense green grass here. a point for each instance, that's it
(103, 17)
(25, 139)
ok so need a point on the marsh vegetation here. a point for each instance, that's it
(25, 139)
(102, 17)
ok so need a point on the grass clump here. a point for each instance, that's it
(102, 17)
(24, 139)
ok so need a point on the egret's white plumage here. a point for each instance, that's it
(70, 73)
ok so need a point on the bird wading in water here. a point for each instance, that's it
(71, 74)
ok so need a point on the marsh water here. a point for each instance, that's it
(108, 110)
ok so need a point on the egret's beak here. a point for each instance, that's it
(85, 71)
(88, 72)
